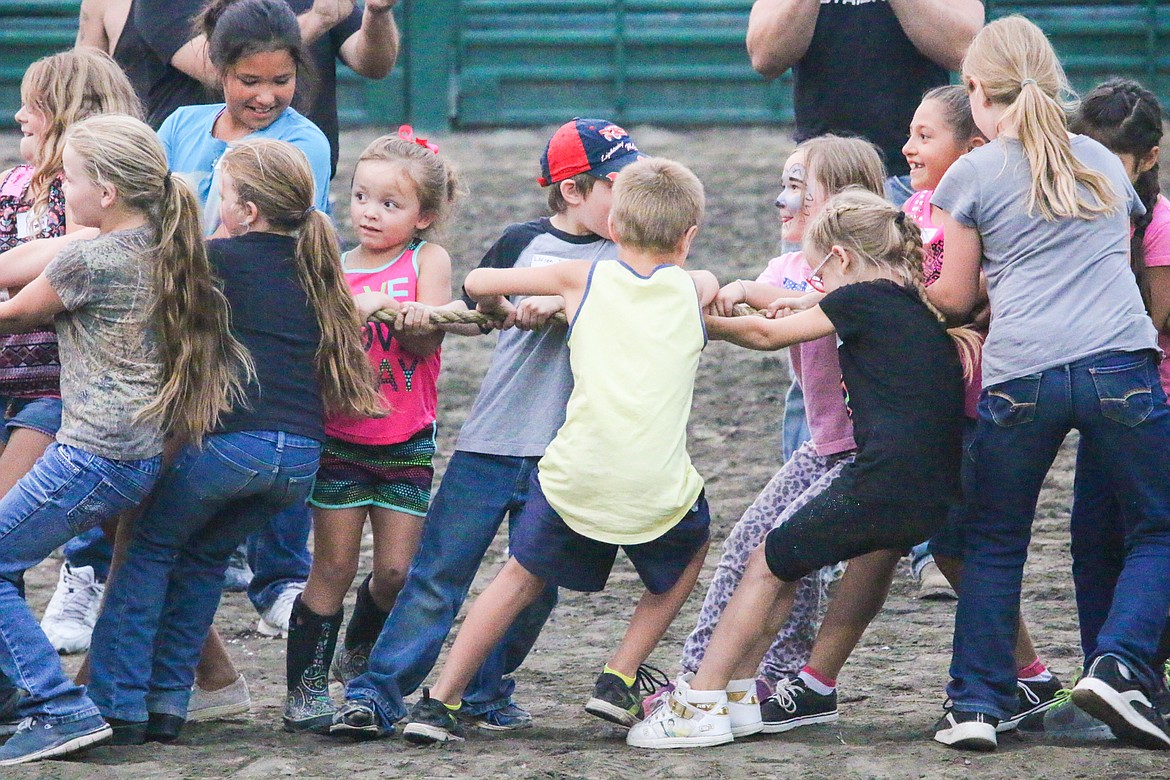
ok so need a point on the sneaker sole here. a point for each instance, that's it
(746, 731)
(422, 734)
(795, 723)
(1100, 700)
(610, 712)
(937, 594)
(77, 743)
(220, 711)
(969, 736)
(264, 628)
(356, 732)
(673, 743)
(483, 725)
(322, 724)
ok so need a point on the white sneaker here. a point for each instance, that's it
(743, 706)
(234, 699)
(274, 620)
(679, 723)
(73, 610)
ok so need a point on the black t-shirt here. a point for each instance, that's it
(862, 76)
(156, 29)
(271, 316)
(904, 389)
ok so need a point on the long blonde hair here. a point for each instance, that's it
(1017, 68)
(877, 233)
(205, 369)
(275, 177)
(66, 88)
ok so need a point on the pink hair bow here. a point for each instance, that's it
(406, 133)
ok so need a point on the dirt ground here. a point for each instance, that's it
(892, 689)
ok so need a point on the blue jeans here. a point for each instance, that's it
(68, 491)
(160, 605)
(278, 554)
(476, 493)
(1116, 402)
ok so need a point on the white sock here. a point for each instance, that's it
(815, 685)
(1044, 676)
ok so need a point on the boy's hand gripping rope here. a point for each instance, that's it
(479, 318)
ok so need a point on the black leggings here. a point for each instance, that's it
(835, 526)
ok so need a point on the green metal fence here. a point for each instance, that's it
(476, 63)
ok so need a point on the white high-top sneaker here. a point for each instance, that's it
(73, 610)
(683, 719)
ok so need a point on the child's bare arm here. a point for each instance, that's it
(956, 291)
(567, 279)
(767, 334)
(414, 329)
(21, 264)
(755, 294)
(706, 286)
(34, 305)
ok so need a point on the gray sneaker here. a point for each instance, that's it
(36, 739)
(227, 702)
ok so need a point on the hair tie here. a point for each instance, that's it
(406, 133)
(900, 218)
(1026, 82)
(305, 214)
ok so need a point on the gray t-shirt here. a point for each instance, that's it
(1060, 290)
(111, 364)
(521, 402)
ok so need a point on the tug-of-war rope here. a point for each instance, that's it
(479, 318)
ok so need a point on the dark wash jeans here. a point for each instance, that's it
(160, 604)
(1116, 402)
(476, 493)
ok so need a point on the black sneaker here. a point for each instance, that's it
(1035, 697)
(356, 718)
(431, 721)
(967, 730)
(1112, 693)
(794, 704)
(619, 703)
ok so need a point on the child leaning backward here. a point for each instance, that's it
(617, 474)
(520, 406)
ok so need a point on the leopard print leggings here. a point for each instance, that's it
(803, 476)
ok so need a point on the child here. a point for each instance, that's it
(145, 351)
(942, 131)
(1127, 119)
(255, 46)
(903, 382)
(818, 169)
(617, 473)
(56, 92)
(1070, 345)
(519, 408)
(378, 468)
(290, 304)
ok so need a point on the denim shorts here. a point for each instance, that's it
(544, 545)
(39, 414)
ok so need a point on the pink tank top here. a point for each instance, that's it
(409, 383)
(918, 208)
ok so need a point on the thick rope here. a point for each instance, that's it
(478, 318)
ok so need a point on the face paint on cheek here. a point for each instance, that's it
(790, 199)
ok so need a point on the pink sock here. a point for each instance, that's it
(1035, 672)
(817, 681)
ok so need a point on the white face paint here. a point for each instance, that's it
(790, 201)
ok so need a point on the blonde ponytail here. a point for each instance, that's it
(205, 369)
(1017, 68)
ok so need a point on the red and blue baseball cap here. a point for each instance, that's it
(594, 146)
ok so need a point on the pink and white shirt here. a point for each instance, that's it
(1156, 253)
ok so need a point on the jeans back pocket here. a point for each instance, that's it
(1125, 392)
(1013, 402)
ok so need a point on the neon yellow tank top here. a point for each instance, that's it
(618, 470)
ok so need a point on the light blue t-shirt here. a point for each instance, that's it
(1060, 290)
(194, 153)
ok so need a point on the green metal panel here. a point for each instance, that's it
(666, 61)
(29, 30)
(1097, 39)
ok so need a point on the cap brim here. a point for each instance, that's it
(609, 169)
